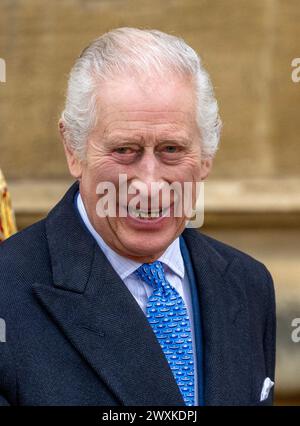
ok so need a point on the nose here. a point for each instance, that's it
(148, 178)
(149, 169)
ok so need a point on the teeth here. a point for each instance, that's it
(143, 215)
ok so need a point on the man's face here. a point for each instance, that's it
(147, 131)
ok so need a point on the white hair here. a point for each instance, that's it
(125, 51)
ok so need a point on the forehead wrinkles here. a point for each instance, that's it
(159, 116)
(146, 121)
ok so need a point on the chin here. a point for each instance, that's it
(149, 245)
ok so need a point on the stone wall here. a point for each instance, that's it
(247, 46)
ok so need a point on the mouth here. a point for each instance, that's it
(149, 214)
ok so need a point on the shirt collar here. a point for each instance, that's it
(124, 267)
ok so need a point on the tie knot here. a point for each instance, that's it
(152, 273)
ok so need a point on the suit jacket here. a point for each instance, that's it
(76, 336)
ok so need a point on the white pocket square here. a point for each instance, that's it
(268, 384)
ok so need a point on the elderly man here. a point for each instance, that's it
(134, 309)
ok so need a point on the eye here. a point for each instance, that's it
(125, 154)
(171, 152)
(170, 149)
(124, 150)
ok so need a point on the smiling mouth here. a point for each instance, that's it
(150, 214)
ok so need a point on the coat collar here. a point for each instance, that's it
(225, 323)
(102, 320)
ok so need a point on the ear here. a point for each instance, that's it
(74, 163)
(206, 165)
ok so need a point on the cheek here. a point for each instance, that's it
(103, 170)
(189, 170)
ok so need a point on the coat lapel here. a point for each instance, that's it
(225, 323)
(99, 316)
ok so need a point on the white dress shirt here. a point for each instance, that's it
(174, 272)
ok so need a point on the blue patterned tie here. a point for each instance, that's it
(167, 314)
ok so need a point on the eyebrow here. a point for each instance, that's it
(133, 140)
(117, 140)
(181, 140)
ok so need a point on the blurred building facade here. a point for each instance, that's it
(252, 196)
